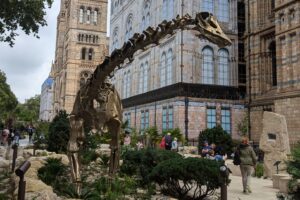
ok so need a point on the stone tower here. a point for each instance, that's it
(81, 44)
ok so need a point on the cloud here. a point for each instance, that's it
(28, 63)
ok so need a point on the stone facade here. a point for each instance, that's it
(181, 58)
(81, 44)
(46, 102)
(274, 57)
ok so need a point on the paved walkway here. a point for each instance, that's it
(261, 189)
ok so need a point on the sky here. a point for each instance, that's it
(27, 64)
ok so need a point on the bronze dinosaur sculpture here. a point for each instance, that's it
(97, 102)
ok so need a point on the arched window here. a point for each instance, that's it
(95, 18)
(272, 49)
(169, 67)
(208, 6)
(163, 70)
(88, 16)
(90, 55)
(223, 68)
(207, 66)
(168, 9)
(128, 33)
(90, 38)
(146, 14)
(81, 15)
(126, 84)
(143, 78)
(79, 36)
(115, 43)
(94, 39)
(223, 10)
(83, 52)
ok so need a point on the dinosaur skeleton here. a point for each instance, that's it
(98, 104)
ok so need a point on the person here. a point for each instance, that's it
(162, 143)
(5, 134)
(30, 133)
(174, 145)
(139, 145)
(17, 136)
(248, 162)
(168, 140)
(205, 150)
(127, 139)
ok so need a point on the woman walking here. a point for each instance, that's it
(248, 162)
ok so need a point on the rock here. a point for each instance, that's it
(103, 149)
(191, 156)
(42, 195)
(27, 153)
(4, 163)
(35, 185)
(2, 151)
(36, 164)
(188, 150)
(19, 160)
(274, 142)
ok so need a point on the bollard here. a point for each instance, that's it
(15, 154)
(22, 184)
(224, 170)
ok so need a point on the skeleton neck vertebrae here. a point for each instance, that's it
(98, 104)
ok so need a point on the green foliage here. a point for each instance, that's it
(259, 170)
(178, 176)
(218, 136)
(26, 15)
(43, 128)
(59, 131)
(8, 100)
(293, 168)
(142, 162)
(175, 133)
(54, 174)
(29, 111)
(153, 135)
(114, 189)
(88, 156)
(242, 126)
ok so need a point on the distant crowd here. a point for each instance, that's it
(10, 136)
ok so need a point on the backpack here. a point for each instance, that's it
(237, 158)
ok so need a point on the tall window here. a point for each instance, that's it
(207, 6)
(226, 119)
(223, 10)
(207, 66)
(88, 16)
(144, 119)
(223, 68)
(83, 52)
(90, 55)
(81, 15)
(168, 9)
(129, 30)
(95, 18)
(126, 84)
(143, 83)
(166, 69)
(146, 14)
(115, 43)
(127, 117)
(211, 117)
(272, 49)
(167, 118)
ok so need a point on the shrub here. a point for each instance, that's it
(178, 176)
(293, 168)
(153, 135)
(259, 170)
(142, 162)
(218, 136)
(54, 173)
(59, 131)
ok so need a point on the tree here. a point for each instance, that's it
(27, 15)
(59, 131)
(8, 100)
(29, 111)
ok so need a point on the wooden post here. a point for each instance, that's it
(22, 184)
